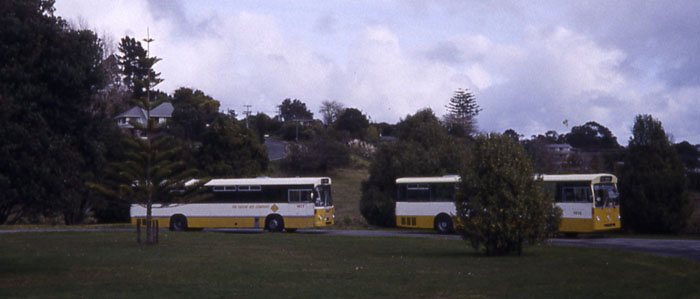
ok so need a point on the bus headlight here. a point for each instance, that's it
(618, 216)
(597, 218)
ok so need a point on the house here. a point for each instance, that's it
(160, 114)
(560, 151)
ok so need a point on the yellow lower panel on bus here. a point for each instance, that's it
(299, 222)
(606, 218)
(233, 222)
(323, 217)
(162, 221)
(212, 222)
(415, 221)
(576, 225)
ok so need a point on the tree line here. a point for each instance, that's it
(65, 158)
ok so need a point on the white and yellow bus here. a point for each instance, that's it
(274, 204)
(427, 202)
(589, 202)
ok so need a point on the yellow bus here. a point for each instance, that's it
(274, 204)
(427, 202)
(589, 202)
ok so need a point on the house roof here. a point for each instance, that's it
(133, 112)
(163, 110)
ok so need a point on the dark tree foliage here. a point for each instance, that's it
(318, 155)
(352, 121)
(423, 148)
(330, 111)
(264, 125)
(513, 135)
(536, 148)
(592, 135)
(294, 110)
(689, 155)
(193, 111)
(499, 204)
(49, 75)
(385, 129)
(114, 97)
(542, 160)
(135, 65)
(300, 131)
(230, 150)
(652, 181)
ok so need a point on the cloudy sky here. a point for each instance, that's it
(531, 64)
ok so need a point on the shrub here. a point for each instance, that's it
(499, 205)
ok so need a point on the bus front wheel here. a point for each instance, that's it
(178, 222)
(443, 224)
(274, 223)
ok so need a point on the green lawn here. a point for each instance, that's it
(266, 265)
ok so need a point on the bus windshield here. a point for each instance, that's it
(605, 195)
(323, 196)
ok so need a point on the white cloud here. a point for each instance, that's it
(542, 74)
(555, 75)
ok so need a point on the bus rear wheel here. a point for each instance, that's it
(274, 223)
(443, 224)
(178, 222)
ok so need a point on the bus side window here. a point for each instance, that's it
(576, 194)
(442, 192)
(417, 192)
(568, 195)
(401, 192)
(299, 195)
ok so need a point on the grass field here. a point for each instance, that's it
(265, 265)
(347, 191)
(346, 188)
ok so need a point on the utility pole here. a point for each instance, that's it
(247, 114)
(149, 213)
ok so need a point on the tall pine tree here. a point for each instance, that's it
(152, 171)
(461, 111)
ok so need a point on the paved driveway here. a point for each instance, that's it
(679, 248)
(275, 149)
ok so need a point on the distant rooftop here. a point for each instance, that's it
(163, 110)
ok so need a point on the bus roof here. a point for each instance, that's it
(429, 179)
(595, 177)
(269, 181)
